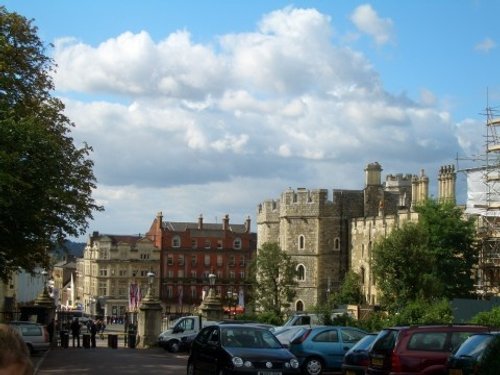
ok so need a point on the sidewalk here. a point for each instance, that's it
(108, 361)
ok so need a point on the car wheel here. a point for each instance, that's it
(190, 369)
(173, 346)
(313, 366)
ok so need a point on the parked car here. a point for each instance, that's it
(322, 348)
(35, 335)
(356, 359)
(474, 354)
(181, 334)
(239, 349)
(285, 334)
(417, 349)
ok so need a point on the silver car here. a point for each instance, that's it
(35, 335)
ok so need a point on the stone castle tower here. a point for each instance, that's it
(326, 238)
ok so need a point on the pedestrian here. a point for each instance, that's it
(14, 354)
(50, 330)
(93, 332)
(75, 331)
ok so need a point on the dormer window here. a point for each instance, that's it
(176, 241)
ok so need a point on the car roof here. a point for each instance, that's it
(17, 322)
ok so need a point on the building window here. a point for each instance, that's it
(193, 275)
(144, 273)
(144, 256)
(299, 306)
(237, 243)
(336, 243)
(170, 291)
(180, 273)
(180, 260)
(194, 244)
(302, 242)
(207, 260)
(301, 272)
(103, 273)
(170, 274)
(176, 241)
(102, 288)
(194, 295)
(242, 261)
(231, 261)
(207, 244)
(193, 260)
(219, 260)
(232, 275)
(170, 260)
(122, 272)
(219, 275)
(219, 245)
(242, 275)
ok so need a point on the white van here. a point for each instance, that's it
(182, 332)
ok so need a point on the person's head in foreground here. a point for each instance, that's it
(14, 354)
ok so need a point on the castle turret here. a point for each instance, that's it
(373, 173)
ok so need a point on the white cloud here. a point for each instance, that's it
(366, 19)
(485, 45)
(190, 128)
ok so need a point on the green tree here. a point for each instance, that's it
(488, 318)
(431, 259)
(46, 182)
(350, 291)
(275, 281)
(424, 312)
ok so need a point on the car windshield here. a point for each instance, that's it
(248, 337)
(474, 346)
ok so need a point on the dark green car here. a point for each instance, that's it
(479, 354)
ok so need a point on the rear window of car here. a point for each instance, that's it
(386, 340)
(474, 346)
(30, 330)
(428, 341)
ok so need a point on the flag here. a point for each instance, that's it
(134, 296)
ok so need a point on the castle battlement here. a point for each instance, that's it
(398, 180)
(304, 202)
(268, 211)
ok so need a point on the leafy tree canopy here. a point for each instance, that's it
(46, 182)
(275, 279)
(431, 259)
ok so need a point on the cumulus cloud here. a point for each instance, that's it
(366, 19)
(216, 128)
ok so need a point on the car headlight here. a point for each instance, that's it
(237, 361)
(294, 363)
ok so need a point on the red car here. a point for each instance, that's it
(417, 349)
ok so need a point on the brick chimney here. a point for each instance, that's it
(200, 222)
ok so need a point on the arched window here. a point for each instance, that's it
(299, 306)
(302, 242)
(176, 241)
(362, 275)
(301, 272)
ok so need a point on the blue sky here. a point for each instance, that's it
(211, 107)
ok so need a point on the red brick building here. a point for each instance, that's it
(190, 251)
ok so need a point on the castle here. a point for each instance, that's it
(327, 238)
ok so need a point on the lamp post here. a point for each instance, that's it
(230, 294)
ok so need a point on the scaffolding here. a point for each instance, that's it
(483, 201)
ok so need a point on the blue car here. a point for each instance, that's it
(322, 348)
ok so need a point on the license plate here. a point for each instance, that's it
(455, 372)
(377, 362)
(349, 372)
(269, 373)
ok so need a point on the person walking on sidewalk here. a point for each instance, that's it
(75, 331)
(93, 332)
